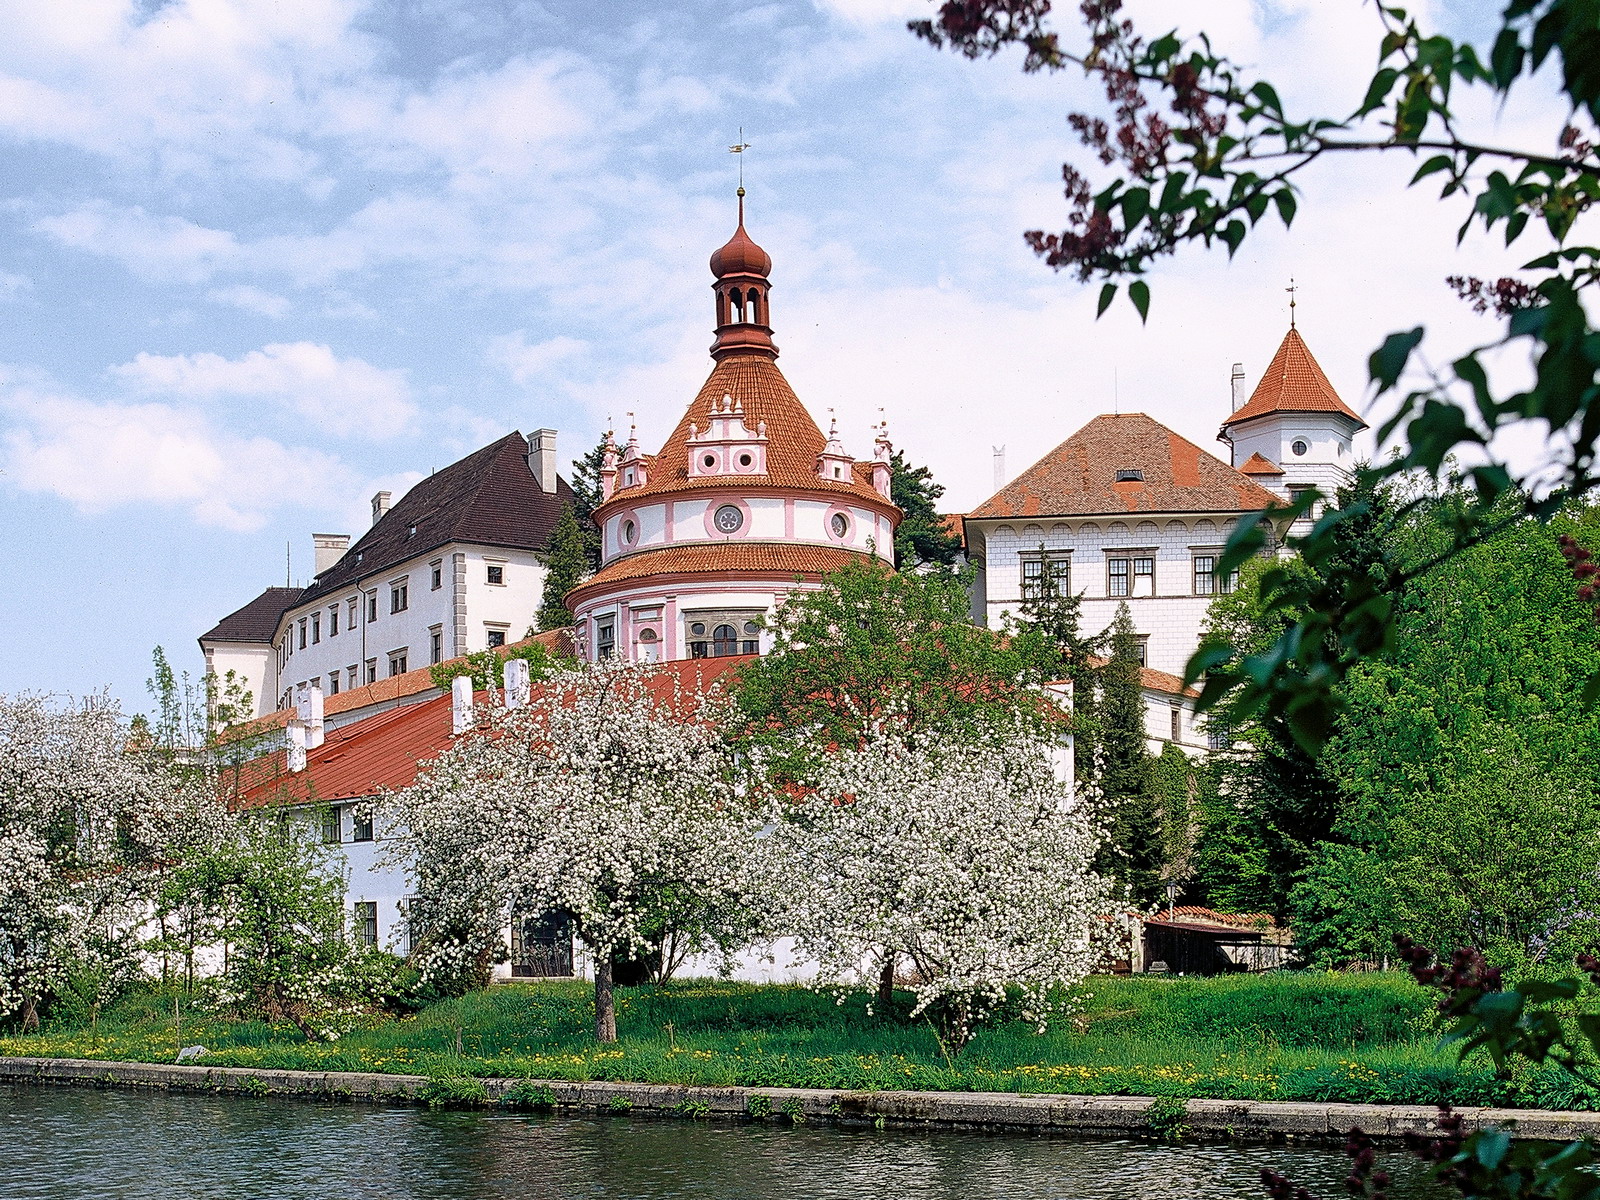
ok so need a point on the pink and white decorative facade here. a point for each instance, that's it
(746, 503)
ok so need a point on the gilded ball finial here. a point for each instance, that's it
(740, 192)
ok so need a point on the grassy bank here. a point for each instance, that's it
(1368, 1038)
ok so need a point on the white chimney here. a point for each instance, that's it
(518, 682)
(460, 704)
(999, 467)
(327, 549)
(380, 505)
(542, 458)
(1238, 386)
(296, 735)
(308, 711)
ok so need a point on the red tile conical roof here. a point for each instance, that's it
(1293, 382)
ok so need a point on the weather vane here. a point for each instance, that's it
(739, 148)
(1291, 290)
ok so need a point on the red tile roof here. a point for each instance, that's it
(1293, 382)
(385, 752)
(1258, 464)
(1154, 680)
(1079, 477)
(765, 559)
(793, 439)
(955, 525)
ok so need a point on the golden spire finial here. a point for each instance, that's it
(1291, 289)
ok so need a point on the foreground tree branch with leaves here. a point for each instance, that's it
(1198, 150)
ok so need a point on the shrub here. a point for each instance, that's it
(454, 1091)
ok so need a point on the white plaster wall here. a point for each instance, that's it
(677, 522)
(1172, 618)
(251, 665)
(511, 605)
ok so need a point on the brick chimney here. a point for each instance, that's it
(542, 458)
(380, 505)
(327, 549)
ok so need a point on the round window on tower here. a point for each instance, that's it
(1298, 446)
(698, 627)
(745, 460)
(709, 461)
(841, 525)
(729, 519)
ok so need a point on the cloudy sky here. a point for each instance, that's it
(261, 258)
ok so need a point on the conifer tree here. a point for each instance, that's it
(586, 498)
(1054, 619)
(566, 563)
(921, 536)
(1132, 852)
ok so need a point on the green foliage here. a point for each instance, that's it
(620, 1104)
(1173, 783)
(1167, 1118)
(567, 562)
(921, 536)
(1051, 632)
(1283, 1036)
(873, 645)
(586, 497)
(759, 1107)
(454, 1091)
(487, 666)
(529, 1094)
(1132, 852)
(1224, 155)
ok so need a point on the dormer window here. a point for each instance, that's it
(627, 477)
(1130, 475)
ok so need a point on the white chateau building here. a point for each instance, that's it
(451, 569)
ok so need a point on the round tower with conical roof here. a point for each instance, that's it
(746, 502)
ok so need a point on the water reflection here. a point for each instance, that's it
(89, 1144)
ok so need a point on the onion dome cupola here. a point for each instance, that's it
(743, 320)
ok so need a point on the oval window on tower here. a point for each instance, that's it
(1299, 447)
(629, 532)
(841, 524)
(709, 461)
(728, 519)
(745, 460)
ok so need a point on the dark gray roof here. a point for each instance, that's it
(489, 498)
(256, 621)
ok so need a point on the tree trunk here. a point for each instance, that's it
(886, 985)
(605, 1003)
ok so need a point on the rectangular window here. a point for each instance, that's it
(1204, 574)
(397, 663)
(333, 621)
(497, 574)
(372, 606)
(1144, 649)
(367, 922)
(436, 576)
(605, 639)
(351, 676)
(1177, 723)
(1144, 577)
(1226, 583)
(316, 628)
(1117, 577)
(497, 638)
(350, 620)
(1058, 574)
(1032, 578)
(435, 646)
(302, 633)
(333, 683)
(360, 827)
(372, 670)
(397, 597)
(415, 922)
(332, 826)
(1217, 737)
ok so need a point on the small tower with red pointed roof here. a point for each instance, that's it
(1294, 431)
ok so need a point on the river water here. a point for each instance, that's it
(89, 1145)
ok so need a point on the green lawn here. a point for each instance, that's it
(1277, 1037)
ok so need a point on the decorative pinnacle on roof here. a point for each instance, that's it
(743, 320)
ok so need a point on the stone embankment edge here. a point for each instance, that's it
(1104, 1116)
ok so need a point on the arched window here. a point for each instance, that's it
(738, 306)
(724, 641)
(755, 306)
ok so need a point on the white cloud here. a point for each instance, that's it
(345, 397)
(12, 286)
(525, 363)
(100, 456)
(154, 247)
(251, 299)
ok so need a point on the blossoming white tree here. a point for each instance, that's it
(607, 800)
(966, 855)
(91, 819)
